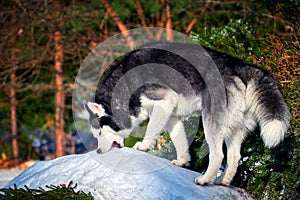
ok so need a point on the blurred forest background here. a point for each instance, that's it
(43, 44)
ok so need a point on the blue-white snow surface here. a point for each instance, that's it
(122, 174)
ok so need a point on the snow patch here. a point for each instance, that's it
(122, 174)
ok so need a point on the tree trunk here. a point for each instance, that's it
(59, 96)
(13, 109)
(141, 15)
(12, 95)
(169, 33)
(140, 12)
(191, 25)
(119, 23)
(194, 21)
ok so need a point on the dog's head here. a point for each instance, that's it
(103, 127)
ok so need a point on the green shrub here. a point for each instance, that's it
(54, 192)
(236, 38)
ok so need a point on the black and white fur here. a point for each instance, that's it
(252, 98)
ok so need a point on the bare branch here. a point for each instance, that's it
(119, 23)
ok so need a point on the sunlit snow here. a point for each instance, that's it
(122, 174)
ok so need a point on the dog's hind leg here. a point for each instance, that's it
(177, 133)
(215, 142)
(233, 143)
(233, 156)
(215, 159)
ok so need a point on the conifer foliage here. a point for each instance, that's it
(51, 192)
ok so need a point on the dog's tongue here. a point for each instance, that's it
(115, 144)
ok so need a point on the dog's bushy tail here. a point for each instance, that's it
(267, 103)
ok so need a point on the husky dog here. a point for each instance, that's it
(252, 98)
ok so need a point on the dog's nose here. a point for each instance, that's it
(99, 151)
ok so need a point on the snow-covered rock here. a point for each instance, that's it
(122, 174)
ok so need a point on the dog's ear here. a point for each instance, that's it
(95, 109)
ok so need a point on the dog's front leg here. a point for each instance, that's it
(177, 133)
(161, 113)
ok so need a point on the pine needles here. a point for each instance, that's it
(61, 191)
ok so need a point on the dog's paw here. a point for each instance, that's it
(223, 182)
(141, 146)
(183, 160)
(202, 180)
(180, 162)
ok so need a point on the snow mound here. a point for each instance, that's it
(122, 174)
